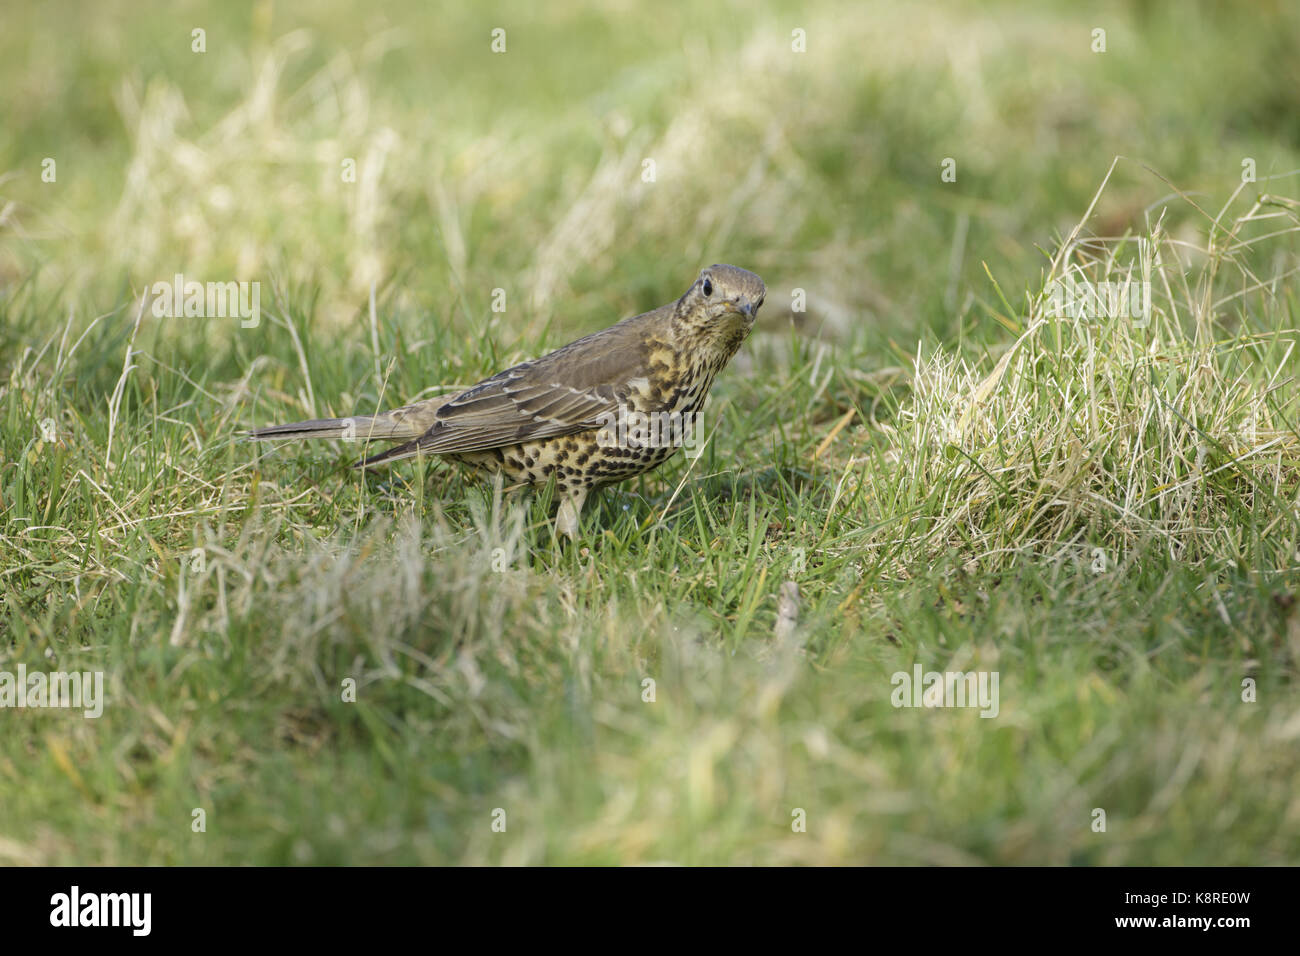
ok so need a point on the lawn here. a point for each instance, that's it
(918, 458)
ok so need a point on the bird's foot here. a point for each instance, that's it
(566, 519)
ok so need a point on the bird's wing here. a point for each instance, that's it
(572, 389)
(515, 407)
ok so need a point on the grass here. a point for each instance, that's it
(1101, 510)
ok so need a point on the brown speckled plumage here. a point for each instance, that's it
(550, 417)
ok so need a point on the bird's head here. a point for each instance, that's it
(720, 307)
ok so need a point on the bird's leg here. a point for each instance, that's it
(566, 519)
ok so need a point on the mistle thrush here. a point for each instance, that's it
(602, 409)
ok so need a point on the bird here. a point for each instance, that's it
(602, 409)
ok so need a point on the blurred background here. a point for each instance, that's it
(524, 169)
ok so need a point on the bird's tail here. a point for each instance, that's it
(399, 424)
(356, 428)
(407, 449)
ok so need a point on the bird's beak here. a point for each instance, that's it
(742, 306)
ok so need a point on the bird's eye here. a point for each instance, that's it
(707, 288)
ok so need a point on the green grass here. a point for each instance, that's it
(1103, 512)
